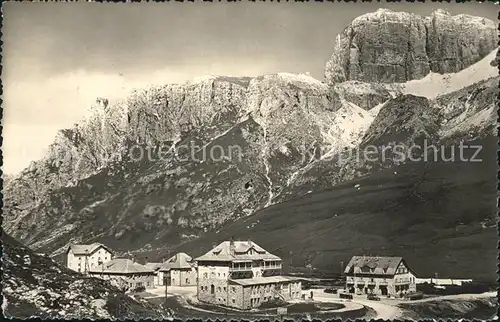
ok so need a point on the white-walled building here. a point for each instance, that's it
(243, 275)
(155, 267)
(81, 258)
(379, 275)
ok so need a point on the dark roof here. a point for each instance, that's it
(373, 265)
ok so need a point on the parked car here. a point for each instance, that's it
(330, 290)
(414, 296)
(373, 297)
(345, 296)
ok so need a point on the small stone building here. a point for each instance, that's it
(252, 292)
(125, 271)
(179, 270)
(155, 267)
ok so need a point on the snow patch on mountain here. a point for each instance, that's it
(346, 127)
(435, 84)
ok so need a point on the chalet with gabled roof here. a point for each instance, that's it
(81, 257)
(178, 270)
(384, 275)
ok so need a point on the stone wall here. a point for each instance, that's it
(213, 291)
(184, 277)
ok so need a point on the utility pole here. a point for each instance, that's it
(166, 279)
(102, 268)
(86, 269)
(341, 268)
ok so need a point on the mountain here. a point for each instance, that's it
(441, 216)
(387, 46)
(177, 166)
(33, 285)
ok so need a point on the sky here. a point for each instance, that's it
(59, 57)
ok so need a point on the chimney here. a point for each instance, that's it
(231, 246)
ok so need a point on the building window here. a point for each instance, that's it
(187, 280)
(234, 301)
(218, 289)
(205, 275)
(212, 289)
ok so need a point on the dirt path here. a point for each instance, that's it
(184, 291)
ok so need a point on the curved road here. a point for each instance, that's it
(388, 309)
(383, 311)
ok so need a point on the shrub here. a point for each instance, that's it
(272, 303)
(139, 289)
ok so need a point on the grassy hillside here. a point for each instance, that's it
(441, 216)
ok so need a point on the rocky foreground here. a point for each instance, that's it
(34, 286)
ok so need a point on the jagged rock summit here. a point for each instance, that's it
(387, 46)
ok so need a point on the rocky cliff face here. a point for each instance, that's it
(388, 46)
(213, 149)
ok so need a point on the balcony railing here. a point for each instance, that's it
(402, 281)
(351, 280)
(248, 268)
(239, 269)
